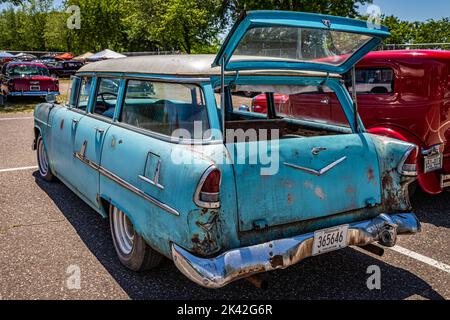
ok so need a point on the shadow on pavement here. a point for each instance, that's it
(434, 210)
(20, 104)
(336, 276)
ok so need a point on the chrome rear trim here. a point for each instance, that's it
(279, 254)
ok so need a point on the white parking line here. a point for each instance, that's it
(431, 262)
(18, 169)
(10, 119)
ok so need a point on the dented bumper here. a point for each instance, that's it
(280, 254)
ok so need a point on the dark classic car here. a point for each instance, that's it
(401, 94)
(146, 142)
(63, 69)
(19, 79)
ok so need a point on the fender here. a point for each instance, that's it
(430, 182)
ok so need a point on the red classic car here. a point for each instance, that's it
(27, 79)
(401, 94)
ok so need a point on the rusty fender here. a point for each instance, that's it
(279, 254)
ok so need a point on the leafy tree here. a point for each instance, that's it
(187, 25)
(101, 25)
(401, 31)
(347, 8)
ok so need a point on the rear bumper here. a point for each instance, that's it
(280, 254)
(32, 93)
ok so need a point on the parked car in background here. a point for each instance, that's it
(144, 142)
(403, 95)
(64, 69)
(19, 79)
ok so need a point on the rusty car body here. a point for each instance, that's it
(147, 142)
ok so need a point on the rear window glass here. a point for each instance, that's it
(372, 81)
(166, 108)
(299, 45)
(27, 70)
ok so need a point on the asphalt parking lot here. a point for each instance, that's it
(45, 230)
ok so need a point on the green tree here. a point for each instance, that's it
(191, 26)
(101, 25)
(401, 31)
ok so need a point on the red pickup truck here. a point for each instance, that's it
(26, 79)
(401, 94)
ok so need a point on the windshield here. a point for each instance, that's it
(27, 70)
(299, 45)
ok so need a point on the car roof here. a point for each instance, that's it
(25, 63)
(177, 65)
(408, 54)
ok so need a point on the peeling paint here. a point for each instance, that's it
(320, 194)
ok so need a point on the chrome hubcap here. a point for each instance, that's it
(43, 164)
(123, 231)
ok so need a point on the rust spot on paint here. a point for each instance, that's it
(288, 184)
(308, 185)
(371, 175)
(277, 262)
(320, 194)
(290, 199)
(351, 190)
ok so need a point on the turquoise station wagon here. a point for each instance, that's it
(165, 148)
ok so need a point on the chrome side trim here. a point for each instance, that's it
(279, 254)
(153, 183)
(108, 174)
(42, 122)
(315, 172)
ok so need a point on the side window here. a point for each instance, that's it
(372, 81)
(106, 97)
(74, 88)
(165, 108)
(84, 93)
(249, 101)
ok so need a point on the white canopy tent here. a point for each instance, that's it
(105, 55)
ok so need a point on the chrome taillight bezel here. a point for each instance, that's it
(411, 171)
(198, 200)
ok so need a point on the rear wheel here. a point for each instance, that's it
(44, 168)
(132, 250)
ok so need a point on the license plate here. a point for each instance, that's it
(433, 163)
(35, 88)
(330, 240)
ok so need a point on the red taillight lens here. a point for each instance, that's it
(208, 191)
(409, 166)
(212, 182)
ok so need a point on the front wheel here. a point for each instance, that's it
(44, 168)
(132, 250)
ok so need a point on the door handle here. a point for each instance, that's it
(100, 130)
(75, 121)
(325, 101)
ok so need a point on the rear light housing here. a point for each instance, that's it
(207, 194)
(11, 85)
(408, 165)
